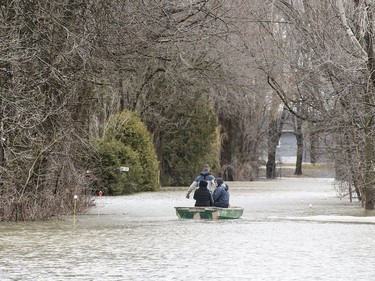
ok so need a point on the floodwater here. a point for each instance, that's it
(291, 229)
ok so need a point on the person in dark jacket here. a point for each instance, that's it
(202, 195)
(221, 194)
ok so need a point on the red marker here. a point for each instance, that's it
(100, 193)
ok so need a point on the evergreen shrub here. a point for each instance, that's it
(127, 143)
(186, 150)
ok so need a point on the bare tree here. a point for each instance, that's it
(335, 82)
(43, 108)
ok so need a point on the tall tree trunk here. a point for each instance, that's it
(362, 39)
(121, 90)
(2, 139)
(369, 189)
(299, 137)
(354, 171)
(274, 133)
(314, 142)
(369, 169)
(369, 137)
(273, 140)
(228, 146)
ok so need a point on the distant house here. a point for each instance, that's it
(286, 151)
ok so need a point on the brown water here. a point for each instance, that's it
(292, 229)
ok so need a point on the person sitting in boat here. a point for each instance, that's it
(202, 195)
(204, 175)
(221, 194)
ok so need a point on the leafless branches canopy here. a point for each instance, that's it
(67, 65)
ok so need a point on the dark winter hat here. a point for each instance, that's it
(203, 183)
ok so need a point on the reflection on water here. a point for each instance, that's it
(281, 236)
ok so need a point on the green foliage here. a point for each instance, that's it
(127, 143)
(185, 150)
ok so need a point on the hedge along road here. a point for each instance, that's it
(291, 229)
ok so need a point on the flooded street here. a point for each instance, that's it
(291, 229)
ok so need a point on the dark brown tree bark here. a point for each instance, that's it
(274, 133)
(299, 138)
(273, 139)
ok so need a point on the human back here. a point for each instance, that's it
(204, 175)
(202, 195)
(221, 194)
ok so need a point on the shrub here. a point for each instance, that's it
(185, 150)
(127, 142)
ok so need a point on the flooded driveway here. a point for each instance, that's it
(291, 229)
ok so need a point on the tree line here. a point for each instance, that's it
(212, 81)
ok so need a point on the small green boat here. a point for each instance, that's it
(209, 213)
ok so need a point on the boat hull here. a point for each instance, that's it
(209, 213)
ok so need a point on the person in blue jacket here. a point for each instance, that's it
(204, 175)
(221, 194)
